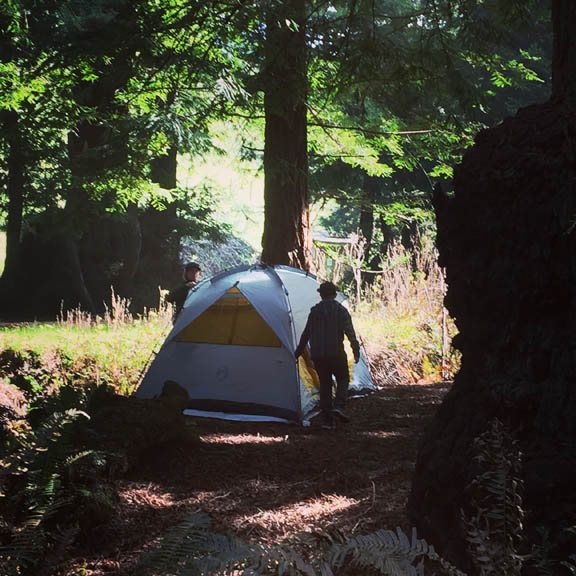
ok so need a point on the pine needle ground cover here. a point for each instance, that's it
(267, 483)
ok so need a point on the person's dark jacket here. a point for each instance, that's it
(178, 297)
(327, 324)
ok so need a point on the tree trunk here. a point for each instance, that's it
(15, 190)
(366, 224)
(286, 237)
(411, 242)
(160, 255)
(79, 212)
(163, 169)
(508, 241)
(388, 237)
(564, 60)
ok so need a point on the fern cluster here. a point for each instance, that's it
(494, 523)
(191, 549)
(494, 494)
(43, 495)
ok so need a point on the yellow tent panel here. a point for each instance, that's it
(231, 320)
(307, 373)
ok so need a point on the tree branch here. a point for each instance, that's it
(371, 132)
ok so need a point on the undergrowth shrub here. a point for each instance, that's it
(13, 411)
(493, 521)
(47, 489)
(49, 383)
(403, 322)
(59, 472)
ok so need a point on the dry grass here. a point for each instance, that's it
(117, 314)
(404, 325)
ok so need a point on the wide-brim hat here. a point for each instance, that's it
(327, 289)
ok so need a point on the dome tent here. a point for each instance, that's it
(232, 348)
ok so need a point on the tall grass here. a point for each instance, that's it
(404, 325)
(399, 315)
(114, 348)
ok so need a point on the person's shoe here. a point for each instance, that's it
(327, 422)
(340, 413)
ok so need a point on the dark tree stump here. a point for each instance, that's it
(508, 241)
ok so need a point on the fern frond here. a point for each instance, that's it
(182, 547)
(190, 549)
(494, 531)
(38, 463)
(388, 552)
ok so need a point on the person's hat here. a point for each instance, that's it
(327, 289)
(192, 266)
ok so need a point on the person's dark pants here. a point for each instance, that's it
(327, 367)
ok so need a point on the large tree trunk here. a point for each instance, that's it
(160, 255)
(83, 145)
(286, 237)
(564, 56)
(94, 149)
(15, 190)
(508, 241)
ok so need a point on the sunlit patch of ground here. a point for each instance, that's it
(379, 434)
(305, 515)
(150, 496)
(242, 439)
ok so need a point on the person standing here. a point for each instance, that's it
(191, 275)
(327, 324)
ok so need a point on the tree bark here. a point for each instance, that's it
(366, 224)
(508, 242)
(564, 60)
(160, 255)
(15, 189)
(78, 210)
(286, 237)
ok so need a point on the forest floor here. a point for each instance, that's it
(266, 482)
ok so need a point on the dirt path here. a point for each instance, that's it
(264, 482)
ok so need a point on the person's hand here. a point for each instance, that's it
(356, 357)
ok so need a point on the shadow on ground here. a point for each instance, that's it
(265, 482)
